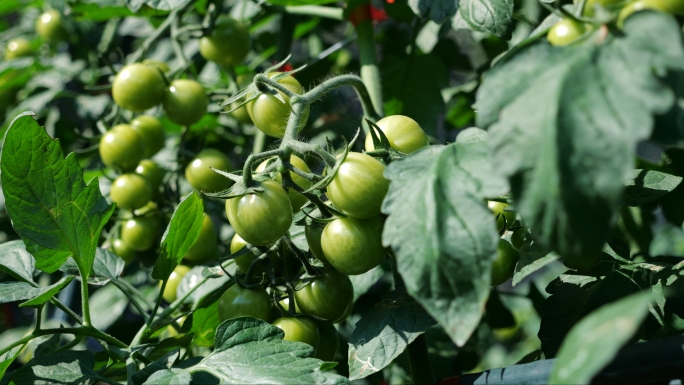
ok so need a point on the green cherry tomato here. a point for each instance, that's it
(565, 32)
(122, 148)
(298, 200)
(313, 239)
(359, 186)
(353, 246)
(329, 341)
(152, 172)
(675, 7)
(17, 48)
(503, 266)
(403, 133)
(270, 115)
(519, 237)
(205, 247)
(185, 102)
(121, 249)
(140, 233)
(202, 177)
(228, 43)
(504, 219)
(49, 26)
(152, 133)
(261, 219)
(239, 302)
(244, 261)
(174, 280)
(329, 296)
(131, 191)
(138, 87)
(299, 329)
(641, 5)
(241, 114)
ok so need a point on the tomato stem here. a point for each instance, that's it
(316, 10)
(85, 303)
(370, 73)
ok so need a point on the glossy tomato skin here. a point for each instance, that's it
(121, 249)
(329, 342)
(138, 87)
(285, 304)
(313, 239)
(151, 131)
(185, 102)
(353, 246)
(131, 191)
(49, 26)
(329, 296)
(239, 302)
(241, 114)
(245, 260)
(261, 219)
(174, 280)
(228, 44)
(300, 329)
(17, 48)
(565, 32)
(359, 186)
(503, 266)
(403, 134)
(140, 233)
(641, 5)
(270, 115)
(205, 247)
(153, 173)
(504, 219)
(298, 200)
(122, 148)
(202, 177)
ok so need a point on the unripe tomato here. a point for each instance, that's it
(565, 32)
(675, 7)
(202, 177)
(205, 247)
(518, 238)
(49, 26)
(174, 280)
(298, 200)
(359, 186)
(122, 148)
(299, 329)
(353, 246)
(185, 102)
(241, 114)
(329, 296)
(18, 47)
(270, 115)
(131, 191)
(228, 43)
(313, 239)
(121, 249)
(641, 5)
(403, 134)
(140, 233)
(503, 266)
(152, 172)
(245, 260)
(138, 87)
(261, 219)
(329, 341)
(239, 302)
(152, 133)
(504, 219)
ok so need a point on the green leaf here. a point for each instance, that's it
(19, 291)
(107, 304)
(596, 339)
(531, 258)
(384, 332)
(170, 376)
(490, 16)
(648, 186)
(196, 275)
(205, 320)
(251, 351)
(165, 5)
(182, 231)
(439, 224)
(300, 2)
(16, 261)
(363, 282)
(68, 367)
(7, 358)
(435, 10)
(164, 362)
(52, 209)
(106, 267)
(565, 121)
(668, 240)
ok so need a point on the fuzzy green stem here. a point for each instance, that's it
(316, 11)
(259, 141)
(79, 331)
(85, 303)
(419, 361)
(247, 169)
(156, 304)
(369, 67)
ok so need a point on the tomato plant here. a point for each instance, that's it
(49, 26)
(270, 114)
(359, 186)
(238, 302)
(205, 247)
(18, 47)
(296, 199)
(151, 131)
(122, 147)
(353, 246)
(403, 133)
(329, 296)
(138, 87)
(140, 233)
(199, 173)
(228, 43)
(299, 329)
(185, 101)
(174, 280)
(131, 191)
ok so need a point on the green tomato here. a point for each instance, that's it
(565, 32)
(503, 266)
(239, 302)
(121, 249)
(329, 341)
(359, 186)
(329, 296)
(261, 219)
(641, 5)
(298, 200)
(131, 191)
(122, 148)
(138, 87)
(228, 44)
(152, 133)
(172, 283)
(185, 102)
(403, 133)
(244, 261)
(152, 172)
(202, 177)
(518, 238)
(241, 114)
(49, 26)
(675, 7)
(504, 219)
(313, 239)
(17, 48)
(270, 115)
(205, 247)
(140, 233)
(353, 246)
(299, 329)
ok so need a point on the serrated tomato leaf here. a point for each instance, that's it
(69, 367)
(16, 261)
(647, 186)
(490, 16)
(435, 10)
(35, 296)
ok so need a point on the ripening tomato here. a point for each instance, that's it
(138, 87)
(49, 26)
(504, 218)
(300, 329)
(202, 177)
(239, 302)
(228, 43)
(140, 233)
(353, 246)
(185, 102)
(131, 191)
(298, 200)
(503, 266)
(329, 296)
(205, 247)
(403, 134)
(18, 47)
(122, 148)
(172, 283)
(313, 239)
(359, 186)
(329, 341)
(270, 115)
(152, 133)
(565, 32)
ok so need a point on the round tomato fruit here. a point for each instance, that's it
(17, 48)
(239, 302)
(504, 219)
(172, 283)
(244, 261)
(359, 186)
(152, 133)
(131, 191)
(138, 87)
(353, 246)
(270, 115)
(49, 26)
(122, 148)
(285, 303)
(152, 172)
(313, 239)
(205, 247)
(261, 219)
(228, 43)
(185, 102)
(329, 341)
(503, 266)
(202, 177)
(640, 5)
(119, 248)
(403, 134)
(298, 200)
(140, 233)
(300, 329)
(565, 32)
(329, 296)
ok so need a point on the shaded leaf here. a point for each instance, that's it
(107, 305)
(363, 282)
(19, 291)
(531, 258)
(170, 376)
(205, 320)
(648, 186)
(435, 10)
(490, 16)
(16, 261)
(107, 266)
(67, 367)
(166, 5)
(163, 363)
